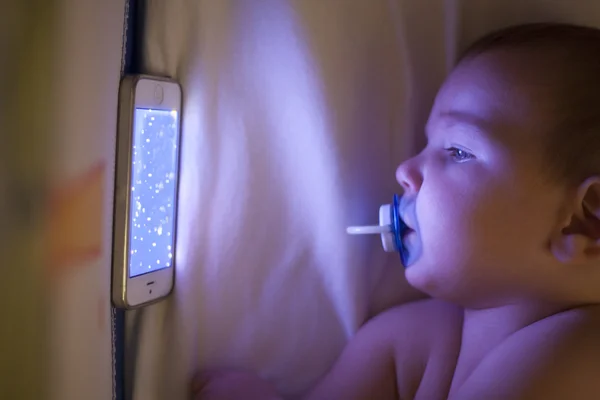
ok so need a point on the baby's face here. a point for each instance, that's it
(476, 195)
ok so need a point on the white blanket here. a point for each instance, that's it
(296, 114)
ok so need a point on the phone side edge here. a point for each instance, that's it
(121, 193)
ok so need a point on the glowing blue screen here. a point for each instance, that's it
(153, 190)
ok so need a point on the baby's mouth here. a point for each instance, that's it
(408, 239)
(405, 228)
(405, 236)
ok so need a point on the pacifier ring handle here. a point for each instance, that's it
(368, 230)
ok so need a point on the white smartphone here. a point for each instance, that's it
(146, 187)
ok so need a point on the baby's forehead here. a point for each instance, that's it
(500, 89)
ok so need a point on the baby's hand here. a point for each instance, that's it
(231, 385)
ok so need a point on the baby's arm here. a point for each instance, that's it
(366, 368)
(545, 362)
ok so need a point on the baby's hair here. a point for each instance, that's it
(572, 150)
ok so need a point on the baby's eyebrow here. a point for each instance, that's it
(465, 118)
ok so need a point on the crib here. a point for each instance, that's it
(296, 114)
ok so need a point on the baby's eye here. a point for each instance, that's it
(459, 155)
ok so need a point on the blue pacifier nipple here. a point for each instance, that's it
(391, 228)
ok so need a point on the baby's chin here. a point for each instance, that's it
(430, 279)
(429, 276)
(443, 281)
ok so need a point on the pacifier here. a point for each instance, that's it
(391, 228)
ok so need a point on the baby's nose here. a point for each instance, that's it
(409, 175)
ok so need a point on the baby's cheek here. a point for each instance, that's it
(447, 218)
(448, 235)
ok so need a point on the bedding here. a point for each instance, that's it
(296, 114)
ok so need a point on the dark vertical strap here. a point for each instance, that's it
(117, 316)
(130, 63)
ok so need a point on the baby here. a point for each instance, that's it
(504, 208)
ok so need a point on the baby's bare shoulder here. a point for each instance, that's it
(555, 358)
(421, 315)
(420, 325)
(567, 324)
(425, 339)
(388, 356)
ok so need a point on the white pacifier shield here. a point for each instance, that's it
(384, 229)
(385, 219)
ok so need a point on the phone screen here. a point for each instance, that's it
(153, 190)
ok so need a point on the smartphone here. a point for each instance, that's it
(146, 187)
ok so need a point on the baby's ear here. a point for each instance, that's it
(579, 240)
